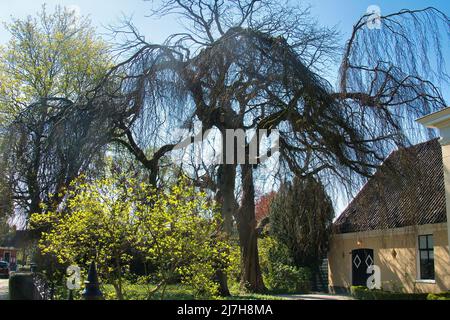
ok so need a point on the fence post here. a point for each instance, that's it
(92, 289)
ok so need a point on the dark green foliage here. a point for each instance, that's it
(439, 296)
(300, 217)
(285, 278)
(279, 272)
(363, 293)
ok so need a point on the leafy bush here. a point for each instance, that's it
(24, 268)
(279, 272)
(360, 293)
(271, 252)
(234, 270)
(363, 293)
(439, 296)
(288, 279)
(106, 218)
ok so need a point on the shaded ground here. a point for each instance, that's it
(182, 292)
(318, 296)
(4, 289)
(179, 292)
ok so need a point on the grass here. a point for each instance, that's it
(179, 292)
(254, 296)
(139, 292)
(238, 294)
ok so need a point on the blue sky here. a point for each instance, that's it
(342, 14)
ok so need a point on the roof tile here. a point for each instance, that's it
(408, 189)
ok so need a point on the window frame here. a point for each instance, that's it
(5, 254)
(428, 249)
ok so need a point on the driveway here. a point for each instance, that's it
(4, 289)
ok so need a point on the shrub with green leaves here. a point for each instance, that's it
(279, 272)
(439, 296)
(234, 270)
(177, 230)
(363, 293)
(288, 279)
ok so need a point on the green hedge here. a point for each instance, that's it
(363, 293)
(439, 296)
(24, 269)
(282, 278)
(21, 287)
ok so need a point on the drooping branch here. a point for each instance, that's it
(393, 65)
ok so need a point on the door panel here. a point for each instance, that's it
(361, 260)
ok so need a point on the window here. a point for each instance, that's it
(426, 257)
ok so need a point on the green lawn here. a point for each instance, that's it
(179, 292)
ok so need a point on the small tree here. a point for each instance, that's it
(102, 220)
(47, 67)
(262, 206)
(51, 54)
(179, 233)
(300, 217)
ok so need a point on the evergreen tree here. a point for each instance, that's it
(301, 216)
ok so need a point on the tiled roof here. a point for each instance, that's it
(408, 189)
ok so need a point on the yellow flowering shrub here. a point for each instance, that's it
(175, 230)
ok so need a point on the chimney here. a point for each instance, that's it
(441, 120)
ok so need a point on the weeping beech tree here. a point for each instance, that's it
(255, 64)
(46, 147)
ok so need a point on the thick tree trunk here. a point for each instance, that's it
(222, 279)
(225, 197)
(248, 236)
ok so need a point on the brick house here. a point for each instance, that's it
(13, 246)
(8, 252)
